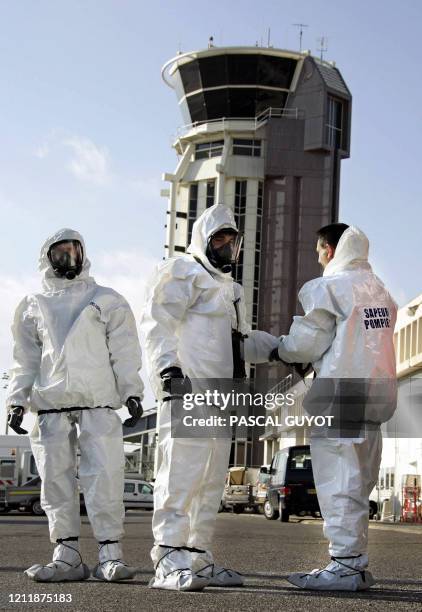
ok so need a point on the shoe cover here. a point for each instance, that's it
(66, 565)
(173, 570)
(111, 568)
(224, 577)
(204, 566)
(346, 574)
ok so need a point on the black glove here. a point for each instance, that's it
(274, 356)
(134, 406)
(302, 368)
(15, 419)
(175, 383)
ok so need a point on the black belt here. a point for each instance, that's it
(57, 410)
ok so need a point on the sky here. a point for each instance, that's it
(86, 127)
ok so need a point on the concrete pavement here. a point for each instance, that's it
(264, 551)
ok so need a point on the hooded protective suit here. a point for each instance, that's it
(346, 333)
(190, 312)
(76, 346)
(75, 343)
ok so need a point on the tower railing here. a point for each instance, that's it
(258, 121)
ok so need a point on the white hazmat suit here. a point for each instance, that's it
(188, 321)
(346, 333)
(76, 353)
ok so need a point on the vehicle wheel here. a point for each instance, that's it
(373, 509)
(221, 507)
(36, 508)
(284, 516)
(269, 512)
(238, 509)
(4, 510)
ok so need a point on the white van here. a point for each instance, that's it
(138, 494)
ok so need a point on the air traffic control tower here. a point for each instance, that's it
(265, 132)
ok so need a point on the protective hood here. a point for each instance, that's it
(215, 218)
(50, 281)
(351, 252)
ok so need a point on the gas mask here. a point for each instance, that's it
(224, 256)
(66, 258)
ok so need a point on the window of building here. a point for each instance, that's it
(407, 343)
(419, 335)
(210, 193)
(206, 150)
(402, 345)
(259, 206)
(193, 209)
(251, 148)
(240, 452)
(239, 215)
(334, 125)
(414, 337)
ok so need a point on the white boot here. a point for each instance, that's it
(204, 566)
(66, 565)
(342, 574)
(111, 567)
(173, 570)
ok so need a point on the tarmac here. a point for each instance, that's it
(264, 551)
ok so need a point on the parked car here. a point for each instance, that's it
(240, 489)
(291, 487)
(261, 489)
(25, 497)
(138, 494)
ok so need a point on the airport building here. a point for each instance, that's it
(265, 132)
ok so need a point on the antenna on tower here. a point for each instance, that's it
(323, 41)
(269, 37)
(300, 26)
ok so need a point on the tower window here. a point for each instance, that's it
(210, 193)
(259, 206)
(206, 150)
(251, 148)
(193, 209)
(239, 214)
(334, 125)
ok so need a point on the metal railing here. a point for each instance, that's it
(258, 121)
